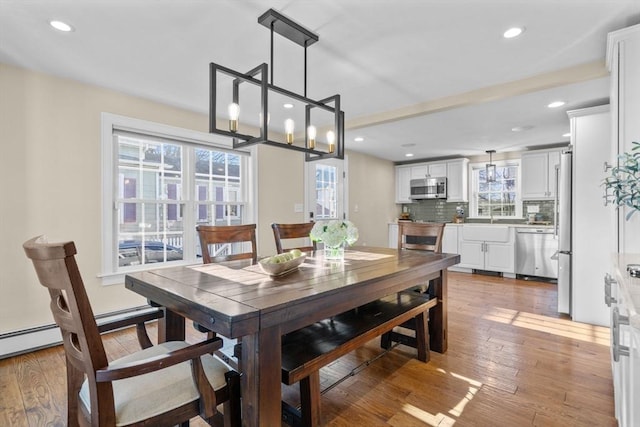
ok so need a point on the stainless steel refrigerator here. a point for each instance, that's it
(563, 223)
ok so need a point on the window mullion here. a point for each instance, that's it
(189, 206)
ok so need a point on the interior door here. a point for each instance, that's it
(325, 190)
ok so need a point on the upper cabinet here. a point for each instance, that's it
(624, 63)
(428, 170)
(403, 188)
(454, 170)
(457, 180)
(540, 174)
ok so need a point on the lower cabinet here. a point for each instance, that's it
(393, 235)
(450, 239)
(489, 248)
(625, 355)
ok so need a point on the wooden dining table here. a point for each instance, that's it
(238, 300)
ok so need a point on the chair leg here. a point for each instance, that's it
(232, 407)
(143, 337)
(74, 382)
(310, 399)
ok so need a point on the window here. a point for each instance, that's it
(499, 199)
(159, 183)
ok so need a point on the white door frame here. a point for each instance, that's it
(309, 187)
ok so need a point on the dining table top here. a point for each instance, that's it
(237, 297)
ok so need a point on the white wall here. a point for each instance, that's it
(51, 183)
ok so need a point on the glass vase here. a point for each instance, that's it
(335, 253)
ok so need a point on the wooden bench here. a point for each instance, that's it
(307, 350)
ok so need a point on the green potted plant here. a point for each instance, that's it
(623, 186)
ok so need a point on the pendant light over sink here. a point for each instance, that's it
(491, 168)
(323, 119)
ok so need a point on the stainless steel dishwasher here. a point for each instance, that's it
(536, 252)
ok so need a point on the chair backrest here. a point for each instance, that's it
(426, 236)
(226, 234)
(292, 231)
(56, 267)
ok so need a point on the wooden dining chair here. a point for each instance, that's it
(161, 385)
(292, 231)
(423, 236)
(226, 235)
(212, 236)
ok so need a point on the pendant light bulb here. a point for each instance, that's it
(331, 140)
(234, 113)
(311, 135)
(289, 126)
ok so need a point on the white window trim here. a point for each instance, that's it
(473, 196)
(109, 122)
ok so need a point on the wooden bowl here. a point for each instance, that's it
(281, 268)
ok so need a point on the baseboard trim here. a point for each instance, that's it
(32, 339)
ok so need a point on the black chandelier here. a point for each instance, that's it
(329, 107)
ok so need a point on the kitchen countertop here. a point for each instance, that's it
(503, 224)
(629, 286)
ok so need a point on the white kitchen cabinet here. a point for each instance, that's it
(487, 247)
(623, 60)
(539, 174)
(620, 292)
(393, 235)
(428, 170)
(405, 173)
(403, 187)
(457, 180)
(450, 239)
(592, 232)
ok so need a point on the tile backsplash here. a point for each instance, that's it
(442, 211)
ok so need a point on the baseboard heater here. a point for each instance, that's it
(32, 339)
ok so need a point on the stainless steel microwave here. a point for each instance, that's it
(428, 188)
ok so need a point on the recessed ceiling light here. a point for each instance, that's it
(409, 155)
(288, 105)
(556, 104)
(61, 26)
(566, 135)
(513, 32)
(358, 139)
(521, 128)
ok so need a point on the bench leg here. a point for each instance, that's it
(385, 340)
(310, 399)
(422, 336)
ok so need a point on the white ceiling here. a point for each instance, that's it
(433, 73)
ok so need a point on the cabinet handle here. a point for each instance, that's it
(618, 350)
(608, 299)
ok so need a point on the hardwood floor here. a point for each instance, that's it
(512, 361)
